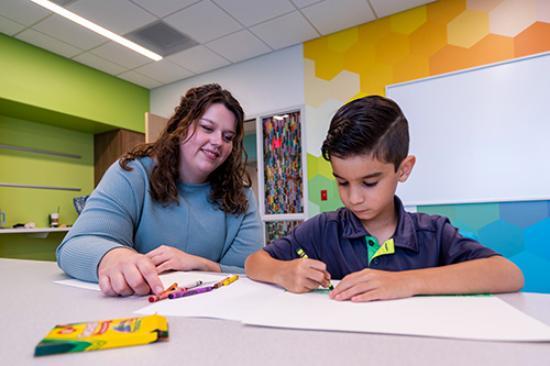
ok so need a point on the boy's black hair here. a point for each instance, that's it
(369, 125)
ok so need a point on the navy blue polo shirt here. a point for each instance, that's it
(339, 239)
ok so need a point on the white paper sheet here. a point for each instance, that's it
(253, 303)
(167, 279)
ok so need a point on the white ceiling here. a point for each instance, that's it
(228, 31)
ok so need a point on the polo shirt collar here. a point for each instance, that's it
(405, 233)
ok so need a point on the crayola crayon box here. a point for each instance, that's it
(92, 336)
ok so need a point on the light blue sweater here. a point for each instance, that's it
(121, 212)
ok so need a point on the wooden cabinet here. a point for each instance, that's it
(109, 146)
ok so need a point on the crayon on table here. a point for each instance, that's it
(164, 294)
(185, 288)
(195, 291)
(303, 254)
(226, 281)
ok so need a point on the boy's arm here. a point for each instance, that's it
(297, 275)
(487, 275)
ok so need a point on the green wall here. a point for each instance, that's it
(49, 102)
(40, 79)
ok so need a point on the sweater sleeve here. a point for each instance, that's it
(107, 222)
(247, 241)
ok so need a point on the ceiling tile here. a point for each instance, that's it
(333, 15)
(198, 59)
(164, 7)
(164, 71)
(69, 32)
(139, 79)
(239, 46)
(99, 63)
(250, 12)
(120, 55)
(24, 12)
(203, 22)
(285, 31)
(9, 27)
(48, 43)
(384, 7)
(120, 16)
(304, 3)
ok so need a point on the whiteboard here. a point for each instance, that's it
(479, 135)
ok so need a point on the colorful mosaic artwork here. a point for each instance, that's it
(283, 179)
(278, 229)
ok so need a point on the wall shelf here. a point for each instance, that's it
(36, 232)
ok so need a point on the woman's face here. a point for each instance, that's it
(208, 144)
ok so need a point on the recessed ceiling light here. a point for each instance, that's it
(98, 29)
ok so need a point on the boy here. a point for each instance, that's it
(376, 248)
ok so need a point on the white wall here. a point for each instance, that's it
(262, 85)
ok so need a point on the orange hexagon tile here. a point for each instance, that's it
(428, 39)
(408, 21)
(410, 68)
(445, 11)
(491, 48)
(360, 57)
(534, 39)
(468, 28)
(375, 79)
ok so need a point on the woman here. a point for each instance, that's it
(180, 203)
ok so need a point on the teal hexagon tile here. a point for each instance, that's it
(477, 215)
(319, 183)
(537, 239)
(507, 239)
(465, 230)
(524, 213)
(442, 210)
(535, 271)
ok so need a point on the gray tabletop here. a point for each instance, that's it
(32, 304)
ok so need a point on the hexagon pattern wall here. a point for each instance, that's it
(440, 37)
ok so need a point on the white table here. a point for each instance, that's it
(32, 304)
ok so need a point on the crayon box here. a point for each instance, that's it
(103, 334)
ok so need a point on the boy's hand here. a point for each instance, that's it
(372, 284)
(303, 275)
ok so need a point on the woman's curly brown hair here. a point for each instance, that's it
(227, 181)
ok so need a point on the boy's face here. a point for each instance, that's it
(367, 185)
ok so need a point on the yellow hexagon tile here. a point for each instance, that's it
(483, 5)
(511, 17)
(373, 31)
(375, 79)
(360, 57)
(444, 11)
(316, 165)
(342, 87)
(408, 21)
(468, 28)
(428, 39)
(392, 48)
(342, 41)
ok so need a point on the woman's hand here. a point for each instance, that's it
(303, 275)
(372, 284)
(124, 272)
(167, 258)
